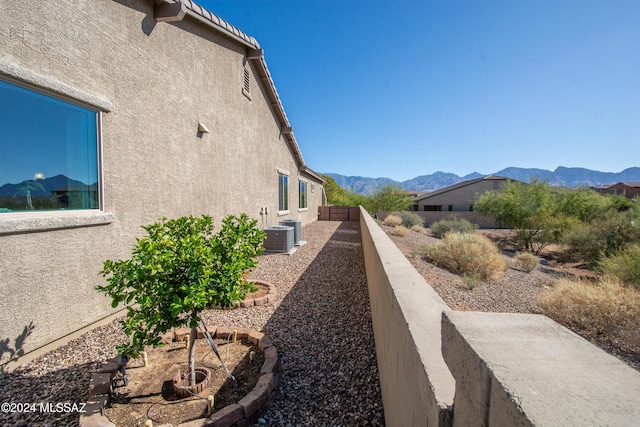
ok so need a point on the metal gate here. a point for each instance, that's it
(339, 213)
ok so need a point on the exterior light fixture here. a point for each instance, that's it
(202, 128)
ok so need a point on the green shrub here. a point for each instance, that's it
(606, 311)
(409, 219)
(624, 265)
(602, 237)
(392, 220)
(527, 261)
(468, 253)
(460, 225)
(400, 230)
(179, 269)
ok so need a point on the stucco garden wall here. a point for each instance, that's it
(154, 83)
(449, 368)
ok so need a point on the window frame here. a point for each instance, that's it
(37, 221)
(283, 192)
(303, 195)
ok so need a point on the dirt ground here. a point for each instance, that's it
(149, 393)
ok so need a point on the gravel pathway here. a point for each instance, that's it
(320, 324)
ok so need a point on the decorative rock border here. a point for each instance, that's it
(269, 297)
(245, 413)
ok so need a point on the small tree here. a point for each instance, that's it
(390, 197)
(179, 269)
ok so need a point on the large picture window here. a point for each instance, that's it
(283, 192)
(48, 152)
(303, 195)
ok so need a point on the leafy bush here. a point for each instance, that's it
(179, 269)
(468, 253)
(418, 229)
(527, 261)
(460, 225)
(400, 230)
(605, 236)
(409, 219)
(624, 265)
(607, 311)
(392, 220)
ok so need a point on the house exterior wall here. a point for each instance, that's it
(460, 199)
(622, 189)
(159, 80)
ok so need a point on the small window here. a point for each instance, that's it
(283, 192)
(50, 152)
(303, 195)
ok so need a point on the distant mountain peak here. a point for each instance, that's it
(561, 176)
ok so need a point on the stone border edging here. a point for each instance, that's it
(242, 414)
(269, 297)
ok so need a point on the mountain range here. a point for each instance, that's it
(562, 176)
(47, 185)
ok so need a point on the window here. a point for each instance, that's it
(303, 195)
(49, 152)
(283, 192)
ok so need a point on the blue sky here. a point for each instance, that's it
(405, 88)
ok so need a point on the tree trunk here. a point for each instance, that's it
(192, 358)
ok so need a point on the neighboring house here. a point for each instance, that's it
(628, 189)
(459, 197)
(171, 110)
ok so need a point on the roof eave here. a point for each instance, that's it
(176, 10)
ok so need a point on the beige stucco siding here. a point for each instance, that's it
(161, 80)
(463, 197)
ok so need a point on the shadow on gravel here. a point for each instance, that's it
(63, 386)
(323, 333)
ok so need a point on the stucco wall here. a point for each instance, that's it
(160, 80)
(416, 384)
(461, 198)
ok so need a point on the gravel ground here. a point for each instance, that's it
(514, 292)
(320, 324)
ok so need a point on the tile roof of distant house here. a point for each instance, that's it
(254, 53)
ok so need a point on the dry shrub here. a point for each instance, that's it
(606, 311)
(469, 254)
(418, 229)
(527, 261)
(392, 220)
(400, 230)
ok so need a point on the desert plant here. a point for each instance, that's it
(392, 220)
(400, 230)
(409, 219)
(179, 269)
(452, 223)
(602, 237)
(624, 265)
(468, 253)
(418, 229)
(389, 197)
(606, 311)
(471, 280)
(527, 261)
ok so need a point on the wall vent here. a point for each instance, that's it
(247, 81)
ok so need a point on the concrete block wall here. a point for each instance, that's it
(417, 387)
(444, 368)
